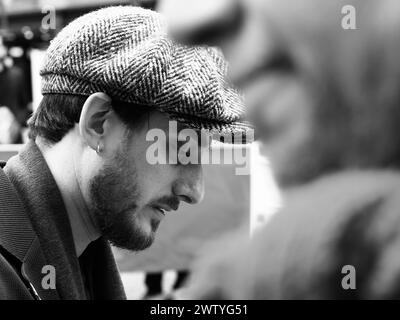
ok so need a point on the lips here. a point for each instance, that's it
(164, 208)
(160, 210)
(165, 204)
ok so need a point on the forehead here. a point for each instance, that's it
(295, 26)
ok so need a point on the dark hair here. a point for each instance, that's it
(58, 113)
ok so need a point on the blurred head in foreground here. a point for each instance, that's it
(325, 101)
(323, 98)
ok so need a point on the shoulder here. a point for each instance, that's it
(11, 285)
(351, 219)
(339, 199)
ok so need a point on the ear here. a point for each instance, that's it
(94, 114)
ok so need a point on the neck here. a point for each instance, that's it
(63, 168)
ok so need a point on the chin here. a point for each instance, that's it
(137, 242)
(149, 219)
(132, 234)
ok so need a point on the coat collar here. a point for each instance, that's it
(53, 242)
(19, 239)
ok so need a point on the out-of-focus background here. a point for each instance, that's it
(26, 28)
(231, 200)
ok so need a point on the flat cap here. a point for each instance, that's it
(125, 52)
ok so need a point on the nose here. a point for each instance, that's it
(190, 185)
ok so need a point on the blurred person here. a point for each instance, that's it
(13, 91)
(83, 180)
(325, 101)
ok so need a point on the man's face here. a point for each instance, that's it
(129, 197)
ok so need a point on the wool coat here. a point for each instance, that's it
(35, 233)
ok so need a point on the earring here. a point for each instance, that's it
(99, 149)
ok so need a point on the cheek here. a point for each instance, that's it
(89, 167)
(285, 123)
(154, 181)
(281, 107)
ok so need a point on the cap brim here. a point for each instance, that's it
(238, 132)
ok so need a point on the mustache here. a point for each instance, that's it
(170, 201)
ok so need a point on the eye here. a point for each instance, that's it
(184, 156)
(187, 152)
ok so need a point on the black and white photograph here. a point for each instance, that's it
(218, 151)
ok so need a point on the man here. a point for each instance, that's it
(84, 178)
(322, 86)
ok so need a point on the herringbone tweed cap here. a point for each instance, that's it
(125, 52)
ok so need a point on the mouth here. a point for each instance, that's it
(160, 210)
(163, 209)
